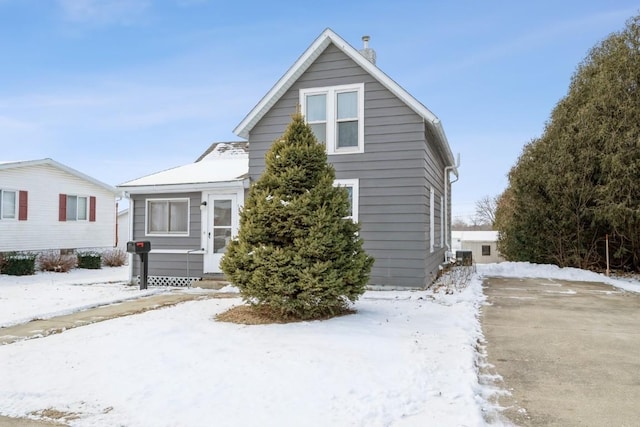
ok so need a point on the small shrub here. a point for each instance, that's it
(19, 264)
(56, 261)
(2, 261)
(90, 260)
(114, 258)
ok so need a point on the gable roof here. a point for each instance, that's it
(305, 61)
(222, 162)
(50, 162)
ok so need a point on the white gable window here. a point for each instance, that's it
(352, 186)
(8, 204)
(336, 115)
(169, 217)
(77, 208)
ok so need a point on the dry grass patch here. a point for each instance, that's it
(261, 315)
(56, 415)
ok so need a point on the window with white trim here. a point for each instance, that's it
(441, 222)
(8, 204)
(336, 116)
(352, 186)
(77, 208)
(432, 223)
(169, 217)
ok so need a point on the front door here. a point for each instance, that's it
(222, 214)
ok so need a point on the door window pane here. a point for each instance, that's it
(221, 238)
(222, 213)
(347, 105)
(316, 108)
(347, 134)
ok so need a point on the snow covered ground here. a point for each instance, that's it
(404, 359)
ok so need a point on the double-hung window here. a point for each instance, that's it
(336, 116)
(352, 186)
(77, 208)
(168, 216)
(8, 204)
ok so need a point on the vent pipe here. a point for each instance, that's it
(367, 52)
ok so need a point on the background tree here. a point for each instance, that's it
(578, 182)
(296, 254)
(486, 210)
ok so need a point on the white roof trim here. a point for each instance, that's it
(305, 61)
(184, 188)
(51, 162)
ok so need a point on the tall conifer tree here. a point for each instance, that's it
(297, 253)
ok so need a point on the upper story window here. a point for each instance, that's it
(352, 186)
(336, 115)
(8, 204)
(168, 217)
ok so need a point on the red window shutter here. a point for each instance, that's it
(62, 208)
(92, 209)
(23, 204)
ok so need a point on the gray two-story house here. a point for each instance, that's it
(387, 148)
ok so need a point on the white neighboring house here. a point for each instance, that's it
(45, 205)
(482, 244)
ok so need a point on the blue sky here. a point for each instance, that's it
(119, 89)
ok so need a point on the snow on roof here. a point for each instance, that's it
(213, 170)
(475, 236)
(225, 149)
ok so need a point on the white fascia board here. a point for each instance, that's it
(184, 188)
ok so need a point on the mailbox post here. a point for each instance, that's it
(141, 248)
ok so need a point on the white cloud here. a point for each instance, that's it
(104, 12)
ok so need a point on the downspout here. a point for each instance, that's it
(446, 184)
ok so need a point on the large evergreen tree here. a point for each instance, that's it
(297, 253)
(578, 182)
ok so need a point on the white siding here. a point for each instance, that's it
(42, 230)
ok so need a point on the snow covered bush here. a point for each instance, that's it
(19, 264)
(296, 253)
(55, 261)
(90, 260)
(114, 258)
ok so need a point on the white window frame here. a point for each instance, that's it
(87, 207)
(176, 234)
(331, 93)
(354, 184)
(2, 207)
(432, 220)
(441, 222)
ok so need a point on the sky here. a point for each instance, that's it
(119, 89)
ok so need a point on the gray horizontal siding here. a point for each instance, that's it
(169, 264)
(394, 172)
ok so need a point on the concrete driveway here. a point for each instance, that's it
(569, 352)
